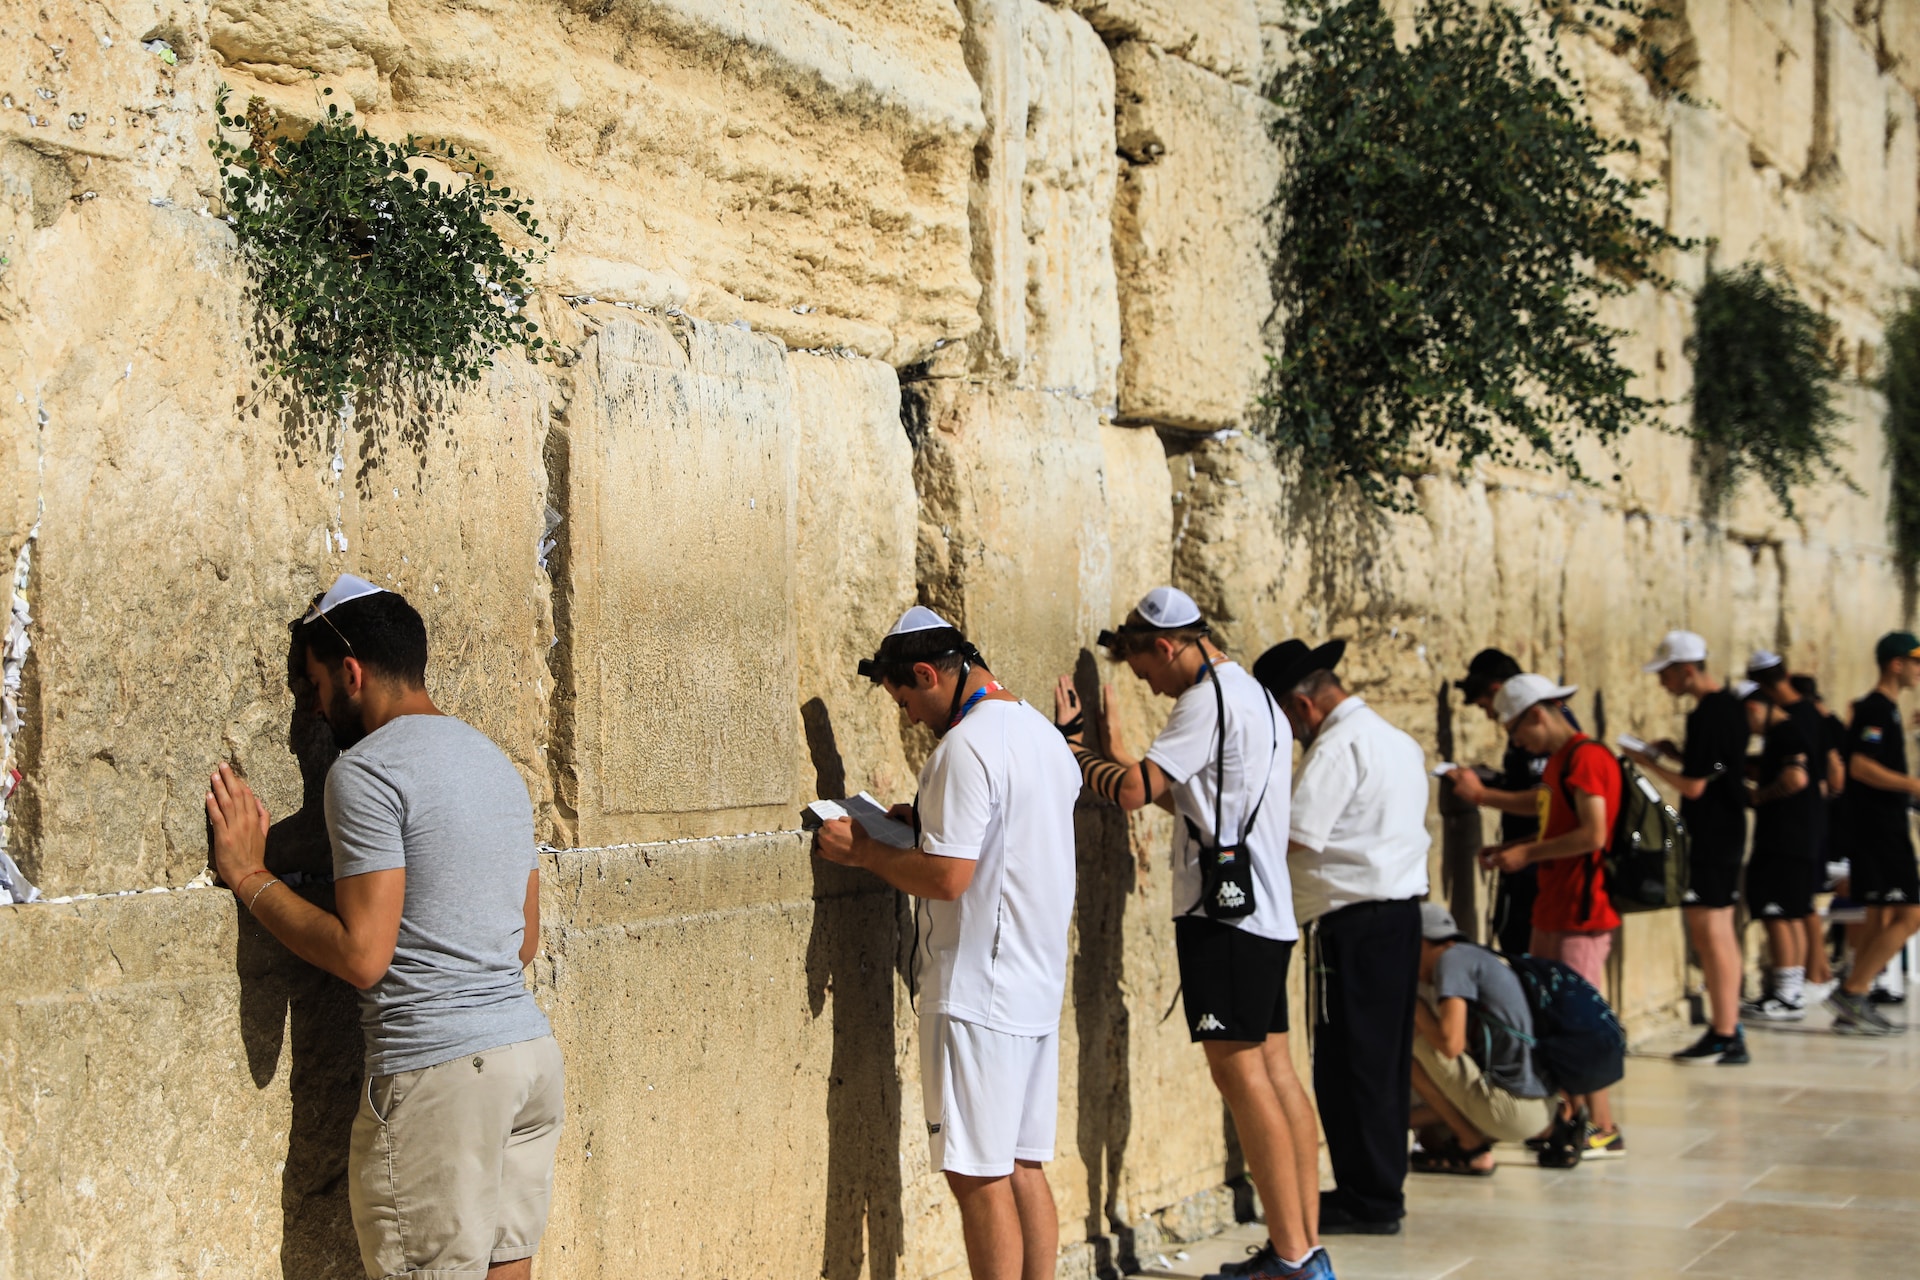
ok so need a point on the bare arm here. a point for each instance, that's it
(1792, 780)
(354, 941)
(1872, 773)
(914, 871)
(530, 940)
(1119, 775)
(1689, 788)
(1467, 785)
(1589, 835)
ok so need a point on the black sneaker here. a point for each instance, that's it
(1265, 1256)
(1880, 995)
(1335, 1221)
(1564, 1143)
(1736, 1054)
(1855, 1015)
(1708, 1048)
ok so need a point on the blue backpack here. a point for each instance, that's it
(1578, 1043)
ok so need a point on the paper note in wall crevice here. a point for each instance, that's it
(865, 810)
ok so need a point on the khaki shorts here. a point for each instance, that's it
(451, 1167)
(1497, 1114)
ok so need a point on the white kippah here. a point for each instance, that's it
(918, 618)
(346, 587)
(1764, 660)
(1166, 607)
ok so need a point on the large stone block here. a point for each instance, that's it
(802, 167)
(1042, 195)
(1861, 128)
(858, 518)
(677, 619)
(1013, 525)
(1222, 36)
(1193, 242)
(1754, 59)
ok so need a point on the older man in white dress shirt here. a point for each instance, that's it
(1357, 855)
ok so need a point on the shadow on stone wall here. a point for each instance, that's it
(849, 956)
(290, 1009)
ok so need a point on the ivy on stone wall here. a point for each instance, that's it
(366, 267)
(1901, 383)
(1763, 378)
(1448, 224)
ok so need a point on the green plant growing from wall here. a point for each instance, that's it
(1448, 224)
(364, 266)
(1901, 383)
(1763, 380)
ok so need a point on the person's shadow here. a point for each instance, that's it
(851, 955)
(286, 1005)
(1105, 881)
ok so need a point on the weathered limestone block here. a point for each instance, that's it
(175, 1093)
(1863, 127)
(858, 518)
(1192, 241)
(678, 623)
(1013, 524)
(1714, 192)
(802, 167)
(733, 998)
(1756, 63)
(1231, 550)
(1042, 194)
(351, 43)
(1222, 36)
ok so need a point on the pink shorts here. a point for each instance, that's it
(1584, 953)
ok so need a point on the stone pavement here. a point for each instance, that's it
(1806, 1163)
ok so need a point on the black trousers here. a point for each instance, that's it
(1369, 961)
(1513, 910)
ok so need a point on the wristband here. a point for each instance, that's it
(257, 892)
(257, 871)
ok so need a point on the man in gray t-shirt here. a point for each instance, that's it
(436, 914)
(1472, 1065)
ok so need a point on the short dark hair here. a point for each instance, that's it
(942, 648)
(1806, 686)
(382, 631)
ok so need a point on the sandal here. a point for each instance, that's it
(1453, 1159)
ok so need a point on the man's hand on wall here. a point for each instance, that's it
(834, 842)
(239, 827)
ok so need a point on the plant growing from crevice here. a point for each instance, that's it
(1763, 384)
(1448, 225)
(1900, 381)
(367, 271)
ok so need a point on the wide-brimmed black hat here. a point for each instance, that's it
(1291, 661)
(1488, 667)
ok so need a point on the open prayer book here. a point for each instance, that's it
(865, 810)
(1632, 743)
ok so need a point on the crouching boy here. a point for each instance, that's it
(1471, 1065)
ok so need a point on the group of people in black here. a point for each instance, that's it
(1828, 799)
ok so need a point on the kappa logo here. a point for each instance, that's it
(1772, 909)
(1230, 895)
(1209, 1023)
(1896, 895)
(1690, 896)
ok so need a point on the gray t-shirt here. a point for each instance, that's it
(1495, 1002)
(433, 795)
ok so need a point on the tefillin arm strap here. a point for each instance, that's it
(1103, 776)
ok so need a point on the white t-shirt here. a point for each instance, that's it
(1360, 806)
(1000, 789)
(1259, 751)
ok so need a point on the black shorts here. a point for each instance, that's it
(1883, 872)
(1780, 886)
(1233, 984)
(1713, 879)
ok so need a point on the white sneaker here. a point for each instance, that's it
(1817, 992)
(1774, 1009)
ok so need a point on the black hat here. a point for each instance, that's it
(1291, 661)
(1488, 667)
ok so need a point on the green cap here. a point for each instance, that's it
(1896, 644)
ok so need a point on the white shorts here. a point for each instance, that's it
(990, 1097)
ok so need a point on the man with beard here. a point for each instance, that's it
(436, 913)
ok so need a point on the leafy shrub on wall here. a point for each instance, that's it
(1763, 381)
(364, 264)
(1901, 383)
(1449, 224)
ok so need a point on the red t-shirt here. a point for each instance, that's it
(1590, 768)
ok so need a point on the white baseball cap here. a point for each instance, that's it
(1168, 607)
(1679, 646)
(1521, 693)
(918, 618)
(345, 587)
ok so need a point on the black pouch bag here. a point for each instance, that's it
(1226, 871)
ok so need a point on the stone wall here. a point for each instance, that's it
(852, 304)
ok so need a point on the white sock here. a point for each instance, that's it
(1293, 1265)
(1790, 985)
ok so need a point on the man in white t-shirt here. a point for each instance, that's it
(1357, 849)
(993, 868)
(1221, 765)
